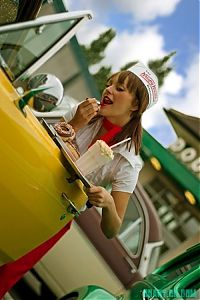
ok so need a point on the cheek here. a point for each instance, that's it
(125, 104)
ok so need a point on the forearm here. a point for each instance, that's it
(76, 125)
(113, 208)
(110, 222)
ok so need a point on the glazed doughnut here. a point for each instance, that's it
(73, 150)
(67, 134)
(65, 130)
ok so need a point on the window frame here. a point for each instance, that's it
(81, 17)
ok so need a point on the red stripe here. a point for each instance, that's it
(10, 273)
(112, 131)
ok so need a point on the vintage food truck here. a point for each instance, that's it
(41, 189)
(35, 184)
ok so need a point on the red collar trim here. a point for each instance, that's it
(112, 129)
(109, 126)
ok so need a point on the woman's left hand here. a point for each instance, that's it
(98, 196)
(113, 208)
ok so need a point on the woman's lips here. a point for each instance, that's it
(106, 101)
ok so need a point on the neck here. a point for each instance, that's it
(118, 122)
(109, 131)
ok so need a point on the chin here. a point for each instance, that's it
(103, 112)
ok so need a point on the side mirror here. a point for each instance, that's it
(51, 93)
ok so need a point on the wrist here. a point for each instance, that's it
(74, 125)
(110, 203)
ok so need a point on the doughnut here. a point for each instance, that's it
(65, 131)
(67, 134)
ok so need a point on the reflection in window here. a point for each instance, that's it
(21, 48)
(131, 230)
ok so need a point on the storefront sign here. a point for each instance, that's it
(187, 155)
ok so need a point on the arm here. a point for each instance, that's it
(113, 208)
(112, 218)
(86, 110)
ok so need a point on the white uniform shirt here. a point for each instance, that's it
(121, 173)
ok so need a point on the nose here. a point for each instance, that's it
(109, 88)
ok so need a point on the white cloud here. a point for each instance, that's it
(90, 31)
(173, 84)
(189, 102)
(99, 8)
(142, 45)
(155, 117)
(144, 10)
(180, 93)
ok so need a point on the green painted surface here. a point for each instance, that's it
(178, 171)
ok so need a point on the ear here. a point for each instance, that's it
(134, 104)
(134, 107)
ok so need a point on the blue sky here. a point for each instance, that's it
(180, 34)
(150, 29)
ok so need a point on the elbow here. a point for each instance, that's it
(110, 233)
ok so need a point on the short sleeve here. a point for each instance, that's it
(70, 114)
(126, 177)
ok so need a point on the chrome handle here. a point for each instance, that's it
(131, 264)
(71, 208)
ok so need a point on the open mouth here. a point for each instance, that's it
(106, 101)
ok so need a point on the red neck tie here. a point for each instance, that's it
(112, 131)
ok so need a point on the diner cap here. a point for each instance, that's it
(149, 79)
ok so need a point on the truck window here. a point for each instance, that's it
(23, 46)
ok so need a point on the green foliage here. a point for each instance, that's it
(128, 65)
(101, 76)
(95, 53)
(161, 67)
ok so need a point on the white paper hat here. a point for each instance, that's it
(149, 79)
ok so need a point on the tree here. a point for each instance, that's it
(101, 77)
(161, 67)
(95, 54)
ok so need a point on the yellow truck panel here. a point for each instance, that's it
(32, 180)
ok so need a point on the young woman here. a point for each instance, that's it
(127, 95)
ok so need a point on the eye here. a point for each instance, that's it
(120, 88)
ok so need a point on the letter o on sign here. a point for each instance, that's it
(195, 165)
(178, 145)
(188, 154)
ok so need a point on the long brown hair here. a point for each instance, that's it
(133, 128)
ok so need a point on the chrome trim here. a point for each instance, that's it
(71, 207)
(53, 50)
(47, 20)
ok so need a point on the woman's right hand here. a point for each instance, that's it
(85, 112)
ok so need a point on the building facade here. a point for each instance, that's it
(171, 179)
